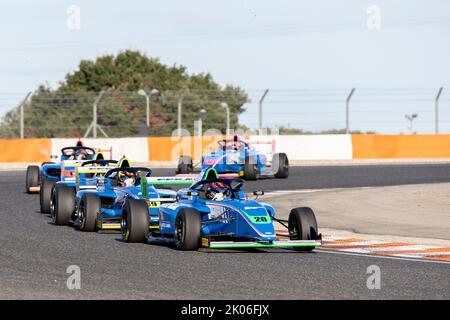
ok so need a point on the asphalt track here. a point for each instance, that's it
(34, 254)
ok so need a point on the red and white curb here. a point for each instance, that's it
(385, 248)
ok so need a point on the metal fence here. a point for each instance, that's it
(330, 110)
(116, 113)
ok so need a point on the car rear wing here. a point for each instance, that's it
(87, 177)
(208, 173)
(164, 181)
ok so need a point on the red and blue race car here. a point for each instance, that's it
(239, 157)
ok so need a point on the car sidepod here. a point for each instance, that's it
(238, 219)
(253, 221)
(51, 171)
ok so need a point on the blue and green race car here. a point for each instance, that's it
(215, 213)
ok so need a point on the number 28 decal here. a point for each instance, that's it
(260, 219)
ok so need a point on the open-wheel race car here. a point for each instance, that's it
(35, 175)
(64, 173)
(67, 177)
(239, 157)
(75, 174)
(99, 206)
(216, 213)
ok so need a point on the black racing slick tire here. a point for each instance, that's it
(185, 165)
(134, 224)
(62, 204)
(302, 224)
(45, 194)
(280, 165)
(187, 229)
(251, 168)
(32, 178)
(88, 211)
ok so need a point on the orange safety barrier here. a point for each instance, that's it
(25, 150)
(375, 146)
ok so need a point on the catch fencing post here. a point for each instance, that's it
(179, 108)
(94, 124)
(260, 109)
(21, 106)
(436, 110)
(347, 111)
(227, 110)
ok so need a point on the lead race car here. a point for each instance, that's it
(241, 158)
(215, 213)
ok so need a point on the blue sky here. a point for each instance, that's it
(308, 53)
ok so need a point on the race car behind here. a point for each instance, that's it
(35, 175)
(239, 157)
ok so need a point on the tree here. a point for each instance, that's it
(67, 110)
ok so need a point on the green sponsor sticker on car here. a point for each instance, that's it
(260, 219)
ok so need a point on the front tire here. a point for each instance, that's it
(32, 178)
(185, 165)
(89, 209)
(280, 165)
(302, 225)
(63, 204)
(134, 224)
(45, 194)
(187, 229)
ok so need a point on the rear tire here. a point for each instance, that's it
(63, 204)
(302, 225)
(134, 224)
(185, 165)
(45, 194)
(251, 168)
(32, 178)
(89, 209)
(280, 165)
(187, 229)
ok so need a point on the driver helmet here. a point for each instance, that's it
(214, 191)
(80, 155)
(126, 179)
